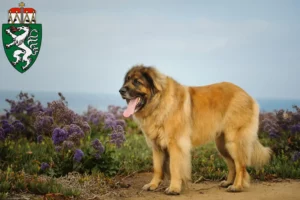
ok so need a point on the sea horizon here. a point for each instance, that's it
(79, 101)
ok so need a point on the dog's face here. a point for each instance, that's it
(139, 88)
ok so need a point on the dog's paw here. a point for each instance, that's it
(172, 191)
(233, 188)
(150, 187)
(224, 184)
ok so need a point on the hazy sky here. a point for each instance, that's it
(89, 45)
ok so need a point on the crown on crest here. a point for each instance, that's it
(22, 15)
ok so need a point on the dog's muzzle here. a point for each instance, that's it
(123, 91)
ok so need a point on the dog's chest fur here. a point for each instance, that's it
(154, 132)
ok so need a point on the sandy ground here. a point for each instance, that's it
(273, 190)
(276, 190)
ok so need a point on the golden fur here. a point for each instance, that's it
(176, 118)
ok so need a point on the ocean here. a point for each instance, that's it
(79, 102)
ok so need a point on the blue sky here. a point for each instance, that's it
(89, 45)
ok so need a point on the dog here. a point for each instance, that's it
(175, 118)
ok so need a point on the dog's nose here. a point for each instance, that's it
(122, 90)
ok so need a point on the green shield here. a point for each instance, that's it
(22, 44)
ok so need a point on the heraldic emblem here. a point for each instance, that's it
(22, 37)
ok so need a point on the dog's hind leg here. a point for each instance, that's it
(220, 143)
(239, 150)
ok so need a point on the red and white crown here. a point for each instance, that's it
(21, 15)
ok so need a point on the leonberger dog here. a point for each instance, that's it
(175, 118)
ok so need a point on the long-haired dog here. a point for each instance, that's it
(174, 118)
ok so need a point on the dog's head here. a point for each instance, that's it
(141, 84)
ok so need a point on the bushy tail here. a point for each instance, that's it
(260, 155)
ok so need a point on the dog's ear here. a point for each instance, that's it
(150, 81)
(154, 79)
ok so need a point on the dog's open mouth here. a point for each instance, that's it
(133, 106)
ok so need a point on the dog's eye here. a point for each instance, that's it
(136, 82)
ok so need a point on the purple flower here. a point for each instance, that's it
(58, 148)
(94, 116)
(30, 109)
(75, 138)
(62, 113)
(97, 155)
(18, 125)
(117, 137)
(43, 123)
(296, 156)
(4, 122)
(75, 129)
(269, 125)
(121, 122)
(296, 116)
(8, 128)
(2, 134)
(75, 133)
(109, 123)
(273, 134)
(48, 111)
(98, 146)
(109, 115)
(116, 110)
(68, 145)
(86, 127)
(95, 120)
(59, 135)
(44, 166)
(39, 138)
(295, 129)
(78, 155)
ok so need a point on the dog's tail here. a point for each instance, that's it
(260, 155)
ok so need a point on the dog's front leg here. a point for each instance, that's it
(176, 167)
(158, 159)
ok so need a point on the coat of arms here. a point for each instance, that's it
(22, 37)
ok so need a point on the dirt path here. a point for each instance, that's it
(283, 190)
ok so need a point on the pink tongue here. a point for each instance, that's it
(130, 108)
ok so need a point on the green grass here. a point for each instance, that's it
(20, 182)
(135, 156)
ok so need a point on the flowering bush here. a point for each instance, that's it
(283, 128)
(11, 131)
(54, 140)
(23, 109)
(70, 142)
